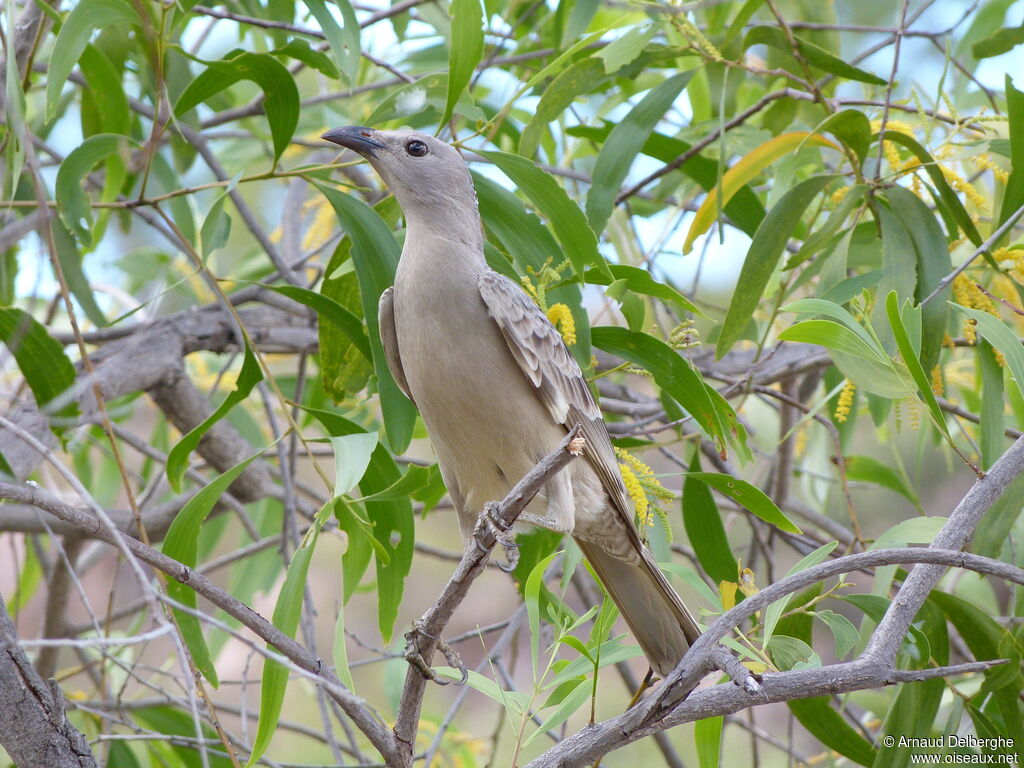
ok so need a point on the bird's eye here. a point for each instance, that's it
(416, 148)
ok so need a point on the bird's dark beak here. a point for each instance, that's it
(355, 137)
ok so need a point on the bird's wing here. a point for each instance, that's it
(389, 338)
(539, 349)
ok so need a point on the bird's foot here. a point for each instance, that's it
(415, 657)
(502, 533)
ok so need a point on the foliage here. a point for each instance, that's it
(171, 223)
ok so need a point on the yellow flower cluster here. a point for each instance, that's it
(967, 294)
(845, 404)
(546, 276)
(319, 230)
(837, 197)
(937, 387)
(985, 163)
(640, 481)
(892, 154)
(561, 317)
(960, 184)
(1012, 260)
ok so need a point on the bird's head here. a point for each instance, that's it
(427, 176)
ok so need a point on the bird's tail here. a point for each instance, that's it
(660, 622)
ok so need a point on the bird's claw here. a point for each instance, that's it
(503, 535)
(415, 658)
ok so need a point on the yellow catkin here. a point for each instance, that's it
(561, 317)
(689, 30)
(967, 294)
(684, 336)
(837, 196)
(984, 162)
(636, 493)
(892, 154)
(800, 442)
(960, 184)
(1012, 260)
(845, 404)
(915, 414)
(937, 387)
(1000, 357)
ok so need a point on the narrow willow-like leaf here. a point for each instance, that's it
(72, 203)
(1002, 338)
(827, 725)
(868, 469)
(177, 459)
(281, 95)
(331, 311)
(375, 255)
(814, 55)
(993, 405)
(744, 171)
(623, 144)
(182, 543)
(707, 738)
(763, 257)
(41, 360)
(344, 40)
(581, 77)
(551, 201)
(748, 496)
(467, 47)
(86, 18)
(704, 527)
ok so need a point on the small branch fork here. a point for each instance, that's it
(493, 528)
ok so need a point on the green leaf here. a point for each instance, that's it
(41, 360)
(704, 528)
(845, 634)
(566, 708)
(748, 496)
(791, 653)
(947, 197)
(914, 364)
(532, 598)
(744, 208)
(852, 127)
(867, 469)
(625, 141)
(583, 76)
(830, 335)
(641, 281)
(177, 459)
(1006, 39)
(466, 49)
(72, 203)
(1013, 197)
(915, 530)
(351, 458)
(344, 40)
(375, 255)
(86, 18)
(339, 651)
(832, 729)
(678, 378)
(216, 228)
(707, 738)
(71, 265)
(933, 264)
(774, 611)
(328, 309)
(763, 257)
(281, 95)
(1002, 338)
(182, 543)
(815, 56)
(993, 406)
(394, 534)
(624, 49)
(300, 50)
(551, 201)
(106, 90)
(415, 478)
(287, 611)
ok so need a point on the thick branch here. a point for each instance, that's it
(33, 728)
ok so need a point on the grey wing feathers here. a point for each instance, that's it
(538, 348)
(389, 338)
(541, 353)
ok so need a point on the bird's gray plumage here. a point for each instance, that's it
(497, 387)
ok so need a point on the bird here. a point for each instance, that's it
(498, 389)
